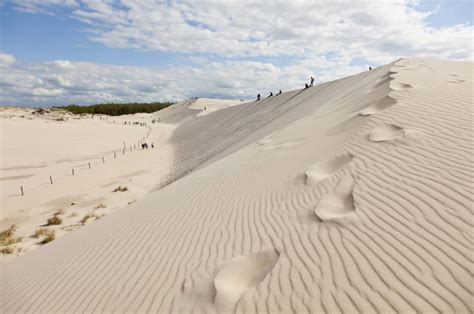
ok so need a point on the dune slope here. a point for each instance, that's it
(351, 196)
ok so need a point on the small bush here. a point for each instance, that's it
(55, 220)
(86, 218)
(100, 205)
(40, 232)
(59, 212)
(7, 250)
(121, 189)
(49, 236)
(6, 235)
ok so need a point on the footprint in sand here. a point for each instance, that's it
(240, 274)
(381, 105)
(386, 133)
(222, 290)
(400, 86)
(323, 169)
(338, 204)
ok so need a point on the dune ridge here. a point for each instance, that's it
(408, 250)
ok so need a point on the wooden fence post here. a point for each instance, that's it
(21, 188)
(51, 179)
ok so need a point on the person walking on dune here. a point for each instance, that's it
(258, 97)
(279, 92)
(312, 81)
(271, 94)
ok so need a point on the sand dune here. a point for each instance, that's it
(237, 230)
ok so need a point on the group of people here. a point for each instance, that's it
(306, 86)
(134, 123)
(145, 145)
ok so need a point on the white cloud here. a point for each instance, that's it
(322, 37)
(255, 28)
(64, 82)
(6, 59)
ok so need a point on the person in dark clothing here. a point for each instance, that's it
(258, 97)
(306, 85)
(312, 81)
(271, 94)
(279, 92)
(370, 68)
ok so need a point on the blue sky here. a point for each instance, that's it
(74, 51)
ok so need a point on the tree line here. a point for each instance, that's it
(113, 109)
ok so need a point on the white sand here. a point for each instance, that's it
(351, 196)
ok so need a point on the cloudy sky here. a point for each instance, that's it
(55, 52)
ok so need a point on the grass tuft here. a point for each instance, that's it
(49, 236)
(55, 220)
(120, 189)
(7, 250)
(100, 205)
(40, 232)
(6, 235)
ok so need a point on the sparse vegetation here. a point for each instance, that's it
(6, 235)
(48, 236)
(120, 189)
(59, 212)
(7, 250)
(117, 109)
(40, 232)
(55, 220)
(100, 205)
(87, 217)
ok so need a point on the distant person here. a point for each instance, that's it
(306, 85)
(258, 97)
(271, 94)
(312, 81)
(279, 92)
(370, 68)
(152, 145)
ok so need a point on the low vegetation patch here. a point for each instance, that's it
(48, 236)
(120, 189)
(88, 217)
(100, 205)
(117, 109)
(7, 250)
(40, 232)
(6, 236)
(55, 220)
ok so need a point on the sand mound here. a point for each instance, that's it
(240, 274)
(324, 169)
(338, 204)
(386, 133)
(394, 233)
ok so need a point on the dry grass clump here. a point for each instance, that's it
(7, 250)
(6, 236)
(87, 217)
(55, 220)
(100, 205)
(48, 236)
(40, 232)
(120, 189)
(59, 212)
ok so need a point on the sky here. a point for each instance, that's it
(59, 52)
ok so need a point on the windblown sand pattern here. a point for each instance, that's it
(240, 232)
